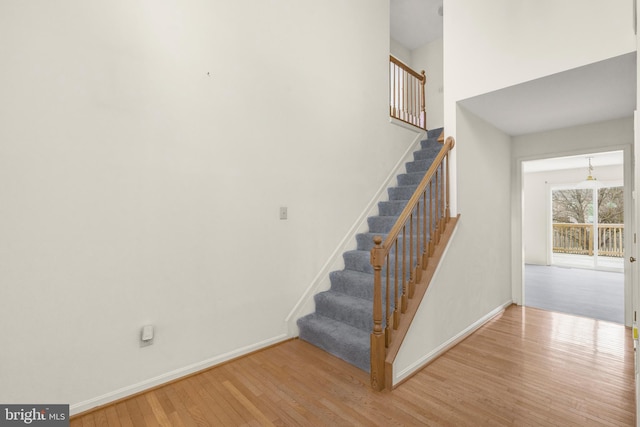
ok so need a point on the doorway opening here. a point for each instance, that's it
(573, 234)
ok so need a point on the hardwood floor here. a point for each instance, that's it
(525, 367)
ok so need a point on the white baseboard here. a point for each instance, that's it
(170, 376)
(428, 358)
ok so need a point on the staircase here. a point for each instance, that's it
(343, 320)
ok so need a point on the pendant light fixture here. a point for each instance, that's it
(590, 182)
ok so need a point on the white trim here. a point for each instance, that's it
(406, 125)
(633, 269)
(517, 244)
(443, 348)
(123, 392)
(517, 240)
(320, 282)
(548, 205)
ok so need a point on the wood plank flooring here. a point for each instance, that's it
(525, 367)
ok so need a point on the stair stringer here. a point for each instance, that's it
(413, 305)
(321, 282)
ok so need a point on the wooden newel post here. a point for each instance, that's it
(377, 349)
(423, 101)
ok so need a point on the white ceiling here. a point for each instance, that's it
(609, 158)
(597, 92)
(415, 23)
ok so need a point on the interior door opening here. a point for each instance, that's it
(573, 234)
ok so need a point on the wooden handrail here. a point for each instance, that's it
(578, 239)
(437, 162)
(419, 228)
(405, 67)
(406, 94)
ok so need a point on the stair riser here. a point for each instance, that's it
(434, 133)
(381, 224)
(358, 317)
(426, 153)
(391, 208)
(430, 143)
(368, 268)
(401, 193)
(365, 240)
(410, 179)
(357, 262)
(355, 353)
(356, 289)
(405, 195)
(359, 289)
(418, 166)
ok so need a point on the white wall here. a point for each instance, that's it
(400, 52)
(146, 148)
(494, 44)
(536, 202)
(430, 58)
(474, 277)
(590, 138)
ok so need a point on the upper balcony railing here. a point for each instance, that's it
(406, 94)
(579, 239)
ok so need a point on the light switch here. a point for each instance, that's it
(147, 333)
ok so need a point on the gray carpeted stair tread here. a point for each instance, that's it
(365, 240)
(425, 154)
(356, 260)
(434, 133)
(391, 207)
(353, 311)
(360, 261)
(410, 178)
(343, 321)
(418, 166)
(346, 342)
(401, 192)
(431, 145)
(354, 283)
(381, 224)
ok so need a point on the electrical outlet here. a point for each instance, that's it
(283, 212)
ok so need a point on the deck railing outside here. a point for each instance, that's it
(406, 97)
(401, 259)
(579, 239)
